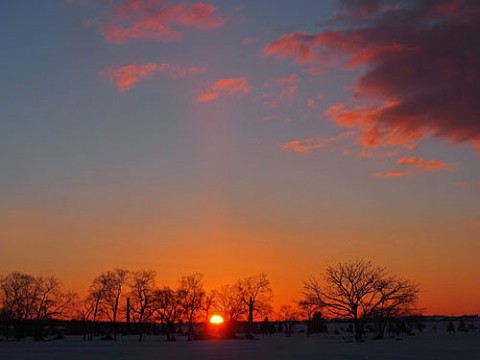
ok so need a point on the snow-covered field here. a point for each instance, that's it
(426, 345)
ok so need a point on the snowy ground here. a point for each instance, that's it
(427, 345)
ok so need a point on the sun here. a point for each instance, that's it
(216, 320)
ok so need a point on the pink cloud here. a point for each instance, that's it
(420, 68)
(389, 174)
(289, 92)
(372, 132)
(228, 86)
(158, 20)
(303, 145)
(312, 101)
(207, 96)
(287, 80)
(248, 40)
(299, 46)
(311, 144)
(232, 85)
(177, 71)
(202, 16)
(423, 164)
(125, 77)
(142, 19)
(281, 90)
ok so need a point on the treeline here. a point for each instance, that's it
(130, 297)
(357, 291)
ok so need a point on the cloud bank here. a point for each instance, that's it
(420, 59)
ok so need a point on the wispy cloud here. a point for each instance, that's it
(125, 77)
(293, 78)
(159, 20)
(280, 90)
(304, 145)
(414, 165)
(313, 100)
(249, 40)
(309, 145)
(423, 164)
(299, 46)
(390, 174)
(202, 16)
(228, 86)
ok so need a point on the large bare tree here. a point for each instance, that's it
(361, 291)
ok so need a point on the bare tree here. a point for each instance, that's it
(111, 284)
(89, 313)
(26, 297)
(360, 291)
(230, 303)
(256, 295)
(142, 291)
(50, 301)
(192, 297)
(397, 297)
(169, 309)
(17, 295)
(92, 306)
(209, 303)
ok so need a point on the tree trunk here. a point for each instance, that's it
(358, 331)
(381, 329)
(250, 319)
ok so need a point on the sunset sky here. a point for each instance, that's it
(234, 137)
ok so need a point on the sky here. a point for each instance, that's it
(237, 137)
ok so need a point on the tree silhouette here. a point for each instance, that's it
(230, 304)
(111, 285)
(142, 284)
(169, 309)
(360, 291)
(26, 297)
(192, 296)
(311, 303)
(256, 295)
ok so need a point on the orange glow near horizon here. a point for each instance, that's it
(225, 251)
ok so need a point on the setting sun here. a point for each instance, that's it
(216, 320)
